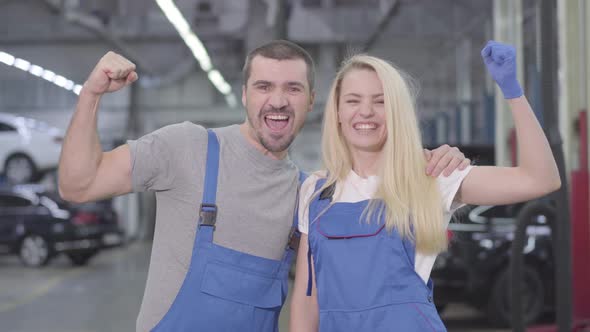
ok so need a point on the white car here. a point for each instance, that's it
(28, 148)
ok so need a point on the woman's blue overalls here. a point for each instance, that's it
(364, 274)
(227, 290)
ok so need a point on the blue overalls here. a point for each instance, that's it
(364, 274)
(227, 290)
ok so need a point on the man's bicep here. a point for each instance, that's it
(113, 176)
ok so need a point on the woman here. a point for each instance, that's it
(373, 222)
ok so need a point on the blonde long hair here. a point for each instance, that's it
(411, 201)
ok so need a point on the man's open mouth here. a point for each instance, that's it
(276, 122)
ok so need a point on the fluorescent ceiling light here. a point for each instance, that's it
(6, 59)
(217, 80)
(38, 71)
(48, 75)
(22, 64)
(199, 51)
(60, 81)
(197, 48)
(174, 15)
(231, 100)
(69, 85)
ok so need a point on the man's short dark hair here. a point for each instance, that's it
(281, 50)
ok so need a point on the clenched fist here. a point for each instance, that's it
(112, 73)
(500, 59)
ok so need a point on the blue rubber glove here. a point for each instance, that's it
(500, 59)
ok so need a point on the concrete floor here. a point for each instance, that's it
(106, 294)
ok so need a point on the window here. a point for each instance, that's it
(6, 127)
(7, 200)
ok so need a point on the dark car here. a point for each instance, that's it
(475, 269)
(37, 226)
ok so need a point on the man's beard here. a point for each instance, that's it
(288, 139)
(267, 143)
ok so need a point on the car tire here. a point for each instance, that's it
(19, 169)
(34, 251)
(499, 303)
(81, 258)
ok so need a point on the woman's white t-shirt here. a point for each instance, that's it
(356, 189)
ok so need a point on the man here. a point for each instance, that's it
(231, 274)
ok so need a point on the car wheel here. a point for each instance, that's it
(34, 251)
(19, 169)
(533, 297)
(81, 258)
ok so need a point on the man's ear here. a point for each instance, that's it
(244, 95)
(311, 100)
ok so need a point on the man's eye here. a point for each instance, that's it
(379, 102)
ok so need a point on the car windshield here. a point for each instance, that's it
(40, 126)
(36, 124)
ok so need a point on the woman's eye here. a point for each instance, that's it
(380, 102)
(352, 101)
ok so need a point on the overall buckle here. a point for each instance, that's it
(294, 237)
(207, 215)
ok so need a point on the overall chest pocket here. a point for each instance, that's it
(347, 223)
(352, 261)
(239, 285)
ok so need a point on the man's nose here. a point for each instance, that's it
(278, 100)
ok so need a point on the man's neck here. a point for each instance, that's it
(253, 140)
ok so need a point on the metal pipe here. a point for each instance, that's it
(391, 11)
(562, 228)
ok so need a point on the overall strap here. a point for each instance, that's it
(326, 194)
(294, 234)
(208, 209)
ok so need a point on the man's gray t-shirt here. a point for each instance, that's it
(255, 196)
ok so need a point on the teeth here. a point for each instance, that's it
(365, 126)
(277, 117)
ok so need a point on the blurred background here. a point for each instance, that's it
(82, 267)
